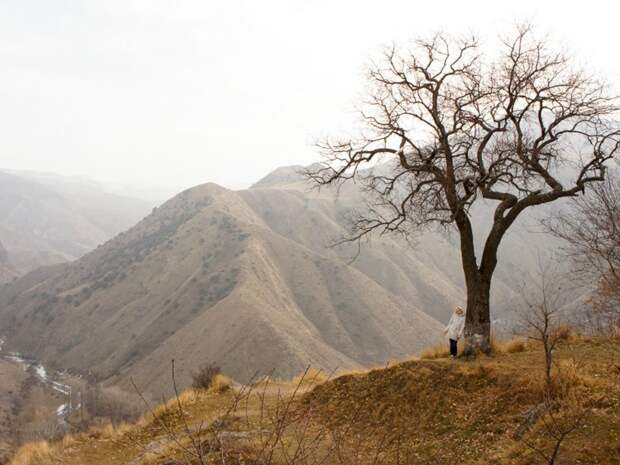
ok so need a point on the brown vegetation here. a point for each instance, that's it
(416, 412)
(95, 404)
(204, 377)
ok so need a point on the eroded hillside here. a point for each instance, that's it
(245, 279)
(46, 219)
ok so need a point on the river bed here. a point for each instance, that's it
(44, 377)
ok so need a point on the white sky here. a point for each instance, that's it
(180, 92)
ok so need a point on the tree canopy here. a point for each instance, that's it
(445, 125)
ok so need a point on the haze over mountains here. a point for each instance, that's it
(245, 279)
(47, 219)
(7, 272)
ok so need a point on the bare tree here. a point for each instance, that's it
(591, 231)
(561, 412)
(556, 427)
(444, 128)
(541, 318)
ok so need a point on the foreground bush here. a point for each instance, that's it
(204, 377)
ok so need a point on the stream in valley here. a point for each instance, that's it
(44, 377)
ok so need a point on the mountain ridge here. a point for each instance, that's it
(46, 220)
(246, 279)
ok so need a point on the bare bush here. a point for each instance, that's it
(556, 425)
(541, 318)
(204, 377)
(560, 414)
(590, 230)
(39, 430)
(283, 429)
(112, 403)
(94, 403)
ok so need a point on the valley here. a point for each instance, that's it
(249, 280)
(309, 233)
(47, 219)
(32, 404)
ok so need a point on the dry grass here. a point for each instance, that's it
(514, 346)
(466, 411)
(569, 378)
(312, 377)
(508, 346)
(34, 453)
(220, 383)
(68, 441)
(110, 430)
(186, 398)
(497, 347)
(471, 408)
(567, 333)
(437, 351)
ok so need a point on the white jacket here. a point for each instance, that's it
(455, 327)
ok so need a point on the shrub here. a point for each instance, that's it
(220, 383)
(116, 405)
(437, 351)
(100, 404)
(204, 377)
(567, 381)
(514, 346)
(566, 333)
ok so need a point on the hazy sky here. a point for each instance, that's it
(179, 92)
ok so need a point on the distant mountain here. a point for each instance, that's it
(7, 272)
(47, 219)
(246, 279)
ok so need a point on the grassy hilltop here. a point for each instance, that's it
(426, 411)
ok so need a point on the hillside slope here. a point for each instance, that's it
(426, 271)
(204, 278)
(50, 219)
(248, 280)
(420, 412)
(7, 271)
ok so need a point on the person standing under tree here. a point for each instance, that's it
(454, 330)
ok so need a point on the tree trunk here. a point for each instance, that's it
(478, 316)
(548, 366)
(478, 284)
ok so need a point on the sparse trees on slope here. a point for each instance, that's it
(445, 128)
(591, 231)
